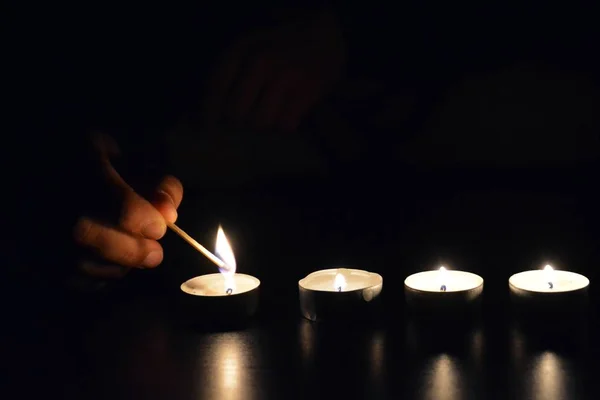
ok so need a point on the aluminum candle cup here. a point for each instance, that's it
(443, 291)
(339, 294)
(216, 298)
(549, 290)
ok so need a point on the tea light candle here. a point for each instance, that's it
(217, 285)
(443, 288)
(548, 280)
(339, 293)
(547, 285)
(225, 295)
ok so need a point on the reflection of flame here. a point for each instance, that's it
(442, 278)
(549, 275)
(477, 345)
(231, 377)
(224, 251)
(230, 368)
(518, 345)
(307, 341)
(339, 283)
(377, 352)
(548, 376)
(445, 377)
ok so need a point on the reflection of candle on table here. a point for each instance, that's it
(547, 286)
(442, 288)
(230, 359)
(548, 378)
(334, 292)
(445, 380)
(228, 291)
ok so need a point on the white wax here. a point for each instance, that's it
(537, 281)
(356, 279)
(432, 281)
(214, 285)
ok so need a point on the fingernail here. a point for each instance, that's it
(173, 216)
(171, 213)
(154, 230)
(165, 194)
(153, 259)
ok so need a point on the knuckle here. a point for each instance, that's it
(131, 212)
(173, 183)
(85, 231)
(132, 256)
(173, 188)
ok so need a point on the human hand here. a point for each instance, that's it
(270, 79)
(124, 230)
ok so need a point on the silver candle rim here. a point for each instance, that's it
(225, 295)
(537, 292)
(375, 274)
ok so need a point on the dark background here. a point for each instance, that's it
(503, 178)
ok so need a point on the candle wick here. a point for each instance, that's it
(229, 291)
(443, 288)
(551, 285)
(339, 288)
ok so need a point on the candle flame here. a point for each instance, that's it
(339, 283)
(442, 277)
(549, 275)
(224, 251)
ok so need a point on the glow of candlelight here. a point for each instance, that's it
(339, 283)
(442, 277)
(549, 276)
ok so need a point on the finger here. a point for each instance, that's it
(107, 148)
(168, 197)
(105, 144)
(103, 271)
(303, 98)
(221, 81)
(117, 246)
(140, 217)
(247, 90)
(272, 100)
(94, 167)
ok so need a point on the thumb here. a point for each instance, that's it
(107, 149)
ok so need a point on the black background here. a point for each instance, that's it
(379, 213)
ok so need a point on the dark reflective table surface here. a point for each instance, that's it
(132, 342)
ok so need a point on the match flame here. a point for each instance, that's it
(339, 283)
(549, 275)
(224, 251)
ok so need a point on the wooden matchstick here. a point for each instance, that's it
(198, 246)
